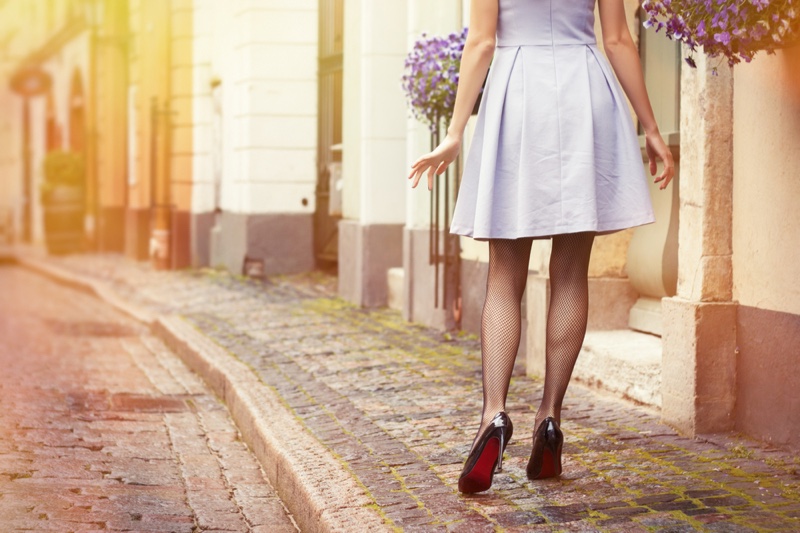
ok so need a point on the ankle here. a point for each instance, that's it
(541, 416)
(489, 415)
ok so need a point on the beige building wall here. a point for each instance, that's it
(255, 133)
(766, 166)
(149, 78)
(373, 152)
(374, 135)
(111, 124)
(26, 28)
(182, 44)
(274, 52)
(766, 245)
(182, 125)
(12, 48)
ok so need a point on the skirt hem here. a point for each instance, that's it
(550, 232)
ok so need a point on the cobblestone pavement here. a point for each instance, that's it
(103, 429)
(398, 404)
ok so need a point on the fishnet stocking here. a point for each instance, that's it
(501, 320)
(566, 319)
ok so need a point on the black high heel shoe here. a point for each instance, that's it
(545, 458)
(486, 456)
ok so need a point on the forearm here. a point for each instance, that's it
(475, 61)
(624, 58)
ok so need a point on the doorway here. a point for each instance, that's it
(329, 141)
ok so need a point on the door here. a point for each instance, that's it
(329, 141)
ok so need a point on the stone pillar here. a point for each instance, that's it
(699, 357)
(257, 199)
(373, 156)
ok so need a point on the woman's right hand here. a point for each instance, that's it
(657, 148)
(437, 161)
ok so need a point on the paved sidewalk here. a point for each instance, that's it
(104, 429)
(396, 406)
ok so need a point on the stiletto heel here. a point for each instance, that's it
(500, 455)
(545, 460)
(487, 455)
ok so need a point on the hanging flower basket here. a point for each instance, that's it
(430, 78)
(735, 29)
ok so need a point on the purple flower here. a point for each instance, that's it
(722, 37)
(735, 29)
(430, 79)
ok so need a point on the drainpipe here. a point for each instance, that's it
(160, 201)
(93, 13)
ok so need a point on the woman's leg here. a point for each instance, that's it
(500, 321)
(566, 319)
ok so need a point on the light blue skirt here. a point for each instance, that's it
(554, 149)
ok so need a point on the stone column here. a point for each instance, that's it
(265, 55)
(373, 158)
(699, 357)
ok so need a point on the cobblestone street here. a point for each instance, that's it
(396, 405)
(104, 429)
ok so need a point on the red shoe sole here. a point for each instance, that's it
(550, 468)
(480, 477)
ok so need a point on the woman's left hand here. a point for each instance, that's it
(436, 161)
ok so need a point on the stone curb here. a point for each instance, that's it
(321, 494)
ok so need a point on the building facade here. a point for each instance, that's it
(271, 137)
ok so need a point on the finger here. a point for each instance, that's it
(669, 177)
(665, 178)
(653, 166)
(442, 167)
(417, 175)
(430, 178)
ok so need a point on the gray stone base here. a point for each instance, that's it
(200, 248)
(419, 297)
(366, 253)
(137, 233)
(284, 242)
(111, 230)
(189, 239)
(180, 239)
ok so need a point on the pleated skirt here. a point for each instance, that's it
(554, 149)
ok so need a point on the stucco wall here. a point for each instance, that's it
(270, 93)
(766, 245)
(374, 124)
(766, 220)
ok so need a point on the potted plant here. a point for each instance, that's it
(735, 29)
(62, 195)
